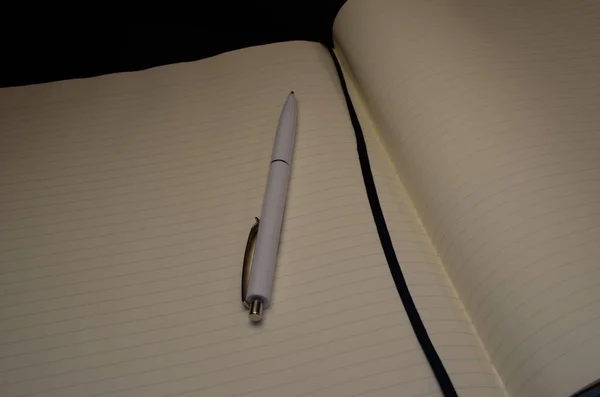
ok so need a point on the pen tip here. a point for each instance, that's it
(292, 93)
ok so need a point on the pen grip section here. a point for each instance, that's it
(283, 147)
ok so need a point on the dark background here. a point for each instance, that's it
(68, 50)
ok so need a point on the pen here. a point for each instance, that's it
(262, 271)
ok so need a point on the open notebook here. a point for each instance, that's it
(126, 201)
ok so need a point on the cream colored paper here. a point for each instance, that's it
(490, 113)
(125, 207)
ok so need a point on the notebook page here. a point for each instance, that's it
(127, 200)
(399, 209)
(490, 115)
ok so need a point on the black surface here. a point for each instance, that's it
(63, 51)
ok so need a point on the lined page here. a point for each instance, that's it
(468, 365)
(490, 114)
(127, 200)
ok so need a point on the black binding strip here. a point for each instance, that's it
(388, 248)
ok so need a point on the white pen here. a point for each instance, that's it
(262, 272)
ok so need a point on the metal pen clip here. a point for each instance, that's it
(248, 254)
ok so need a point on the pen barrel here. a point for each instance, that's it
(264, 261)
